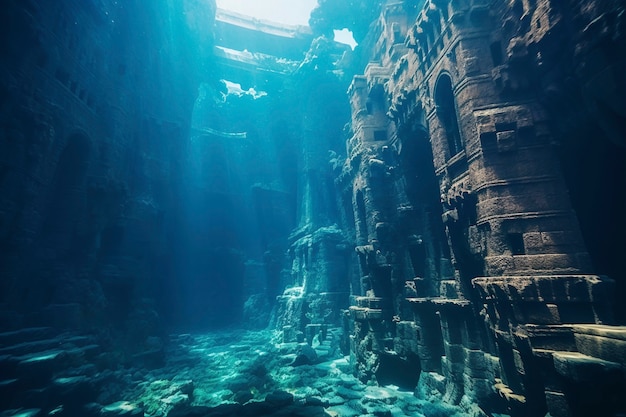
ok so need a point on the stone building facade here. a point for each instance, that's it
(474, 271)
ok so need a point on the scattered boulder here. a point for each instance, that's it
(122, 408)
(305, 355)
(279, 398)
(243, 396)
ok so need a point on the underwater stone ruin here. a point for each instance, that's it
(204, 213)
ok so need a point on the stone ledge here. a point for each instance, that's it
(580, 367)
(612, 332)
(541, 288)
(436, 301)
(364, 313)
(604, 342)
(370, 302)
(548, 337)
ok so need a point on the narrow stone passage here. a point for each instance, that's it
(210, 213)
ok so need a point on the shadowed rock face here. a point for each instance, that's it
(82, 219)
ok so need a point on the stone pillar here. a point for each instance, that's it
(319, 249)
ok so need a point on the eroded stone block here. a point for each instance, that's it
(604, 342)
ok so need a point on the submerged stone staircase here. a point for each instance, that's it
(42, 370)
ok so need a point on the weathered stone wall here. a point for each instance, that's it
(95, 119)
(318, 284)
(474, 269)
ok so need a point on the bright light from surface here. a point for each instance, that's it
(345, 36)
(291, 12)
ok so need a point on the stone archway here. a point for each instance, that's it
(445, 105)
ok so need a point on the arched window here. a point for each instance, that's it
(446, 111)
